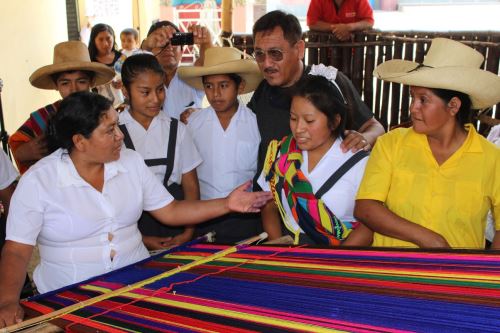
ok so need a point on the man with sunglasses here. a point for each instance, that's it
(178, 95)
(279, 52)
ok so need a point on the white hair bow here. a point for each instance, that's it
(329, 73)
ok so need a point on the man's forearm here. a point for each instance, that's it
(371, 130)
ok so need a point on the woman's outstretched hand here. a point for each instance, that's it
(242, 201)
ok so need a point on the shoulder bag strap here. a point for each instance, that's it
(172, 138)
(352, 161)
(126, 137)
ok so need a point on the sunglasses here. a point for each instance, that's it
(274, 54)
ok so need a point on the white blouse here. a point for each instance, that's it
(341, 196)
(78, 228)
(230, 156)
(7, 172)
(153, 143)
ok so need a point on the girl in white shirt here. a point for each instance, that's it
(297, 168)
(164, 143)
(82, 202)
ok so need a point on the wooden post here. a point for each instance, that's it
(227, 21)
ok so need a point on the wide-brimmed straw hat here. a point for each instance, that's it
(70, 56)
(448, 65)
(223, 60)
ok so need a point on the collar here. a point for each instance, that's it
(472, 143)
(334, 150)
(239, 116)
(67, 175)
(126, 117)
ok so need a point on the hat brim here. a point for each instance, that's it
(41, 78)
(481, 86)
(246, 68)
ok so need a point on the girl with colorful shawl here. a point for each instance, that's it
(296, 168)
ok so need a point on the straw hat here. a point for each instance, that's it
(70, 56)
(223, 60)
(448, 65)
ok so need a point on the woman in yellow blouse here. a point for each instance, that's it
(432, 185)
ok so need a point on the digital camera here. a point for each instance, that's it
(182, 38)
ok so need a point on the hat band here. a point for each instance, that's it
(418, 67)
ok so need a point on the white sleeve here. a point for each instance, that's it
(262, 182)
(190, 158)
(25, 219)
(7, 172)
(198, 98)
(264, 185)
(358, 172)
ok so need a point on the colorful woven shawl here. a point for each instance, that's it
(33, 127)
(311, 213)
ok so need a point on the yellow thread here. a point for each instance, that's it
(238, 315)
(271, 153)
(74, 307)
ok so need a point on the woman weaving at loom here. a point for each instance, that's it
(81, 205)
(304, 171)
(432, 185)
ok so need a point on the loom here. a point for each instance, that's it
(215, 288)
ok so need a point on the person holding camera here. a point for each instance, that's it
(165, 41)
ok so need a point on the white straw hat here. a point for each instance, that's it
(70, 56)
(223, 60)
(448, 65)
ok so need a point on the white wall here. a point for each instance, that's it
(29, 29)
(116, 13)
(441, 17)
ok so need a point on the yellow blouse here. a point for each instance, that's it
(451, 199)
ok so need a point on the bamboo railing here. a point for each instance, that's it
(357, 59)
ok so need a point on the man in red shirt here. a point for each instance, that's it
(340, 17)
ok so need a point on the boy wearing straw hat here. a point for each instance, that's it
(70, 71)
(226, 134)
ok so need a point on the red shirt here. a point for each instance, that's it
(349, 12)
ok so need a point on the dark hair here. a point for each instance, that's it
(159, 24)
(325, 97)
(464, 114)
(96, 29)
(277, 18)
(137, 64)
(130, 31)
(56, 76)
(233, 77)
(79, 113)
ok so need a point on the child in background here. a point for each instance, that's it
(163, 142)
(103, 49)
(130, 41)
(225, 134)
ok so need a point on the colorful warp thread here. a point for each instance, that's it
(274, 289)
(312, 215)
